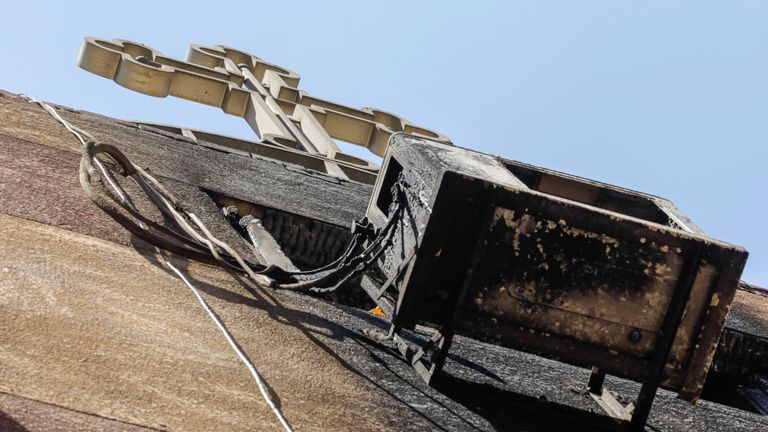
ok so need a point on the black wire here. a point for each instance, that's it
(331, 277)
(356, 265)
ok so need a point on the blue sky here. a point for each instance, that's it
(669, 99)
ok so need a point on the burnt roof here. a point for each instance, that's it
(97, 334)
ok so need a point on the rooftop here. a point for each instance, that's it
(99, 335)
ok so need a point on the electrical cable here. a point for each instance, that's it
(192, 239)
(88, 146)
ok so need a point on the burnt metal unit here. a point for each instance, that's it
(563, 267)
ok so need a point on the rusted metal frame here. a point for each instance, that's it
(420, 300)
(670, 324)
(709, 334)
(616, 228)
(542, 207)
(651, 384)
(667, 333)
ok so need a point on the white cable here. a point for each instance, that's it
(75, 131)
(245, 360)
(216, 320)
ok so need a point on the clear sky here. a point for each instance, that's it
(669, 98)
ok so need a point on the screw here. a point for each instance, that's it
(635, 335)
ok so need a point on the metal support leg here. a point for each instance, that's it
(666, 339)
(596, 381)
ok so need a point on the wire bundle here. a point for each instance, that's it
(192, 239)
(189, 237)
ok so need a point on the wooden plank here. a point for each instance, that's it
(260, 181)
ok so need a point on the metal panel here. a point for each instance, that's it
(567, 268)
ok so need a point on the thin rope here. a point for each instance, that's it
(216, 320)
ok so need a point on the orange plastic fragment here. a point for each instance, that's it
(377, 311)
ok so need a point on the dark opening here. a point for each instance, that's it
(384, 200)
(570, 188)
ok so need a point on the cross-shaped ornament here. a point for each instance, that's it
(265, 95)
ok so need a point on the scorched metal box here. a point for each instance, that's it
(564, 267)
